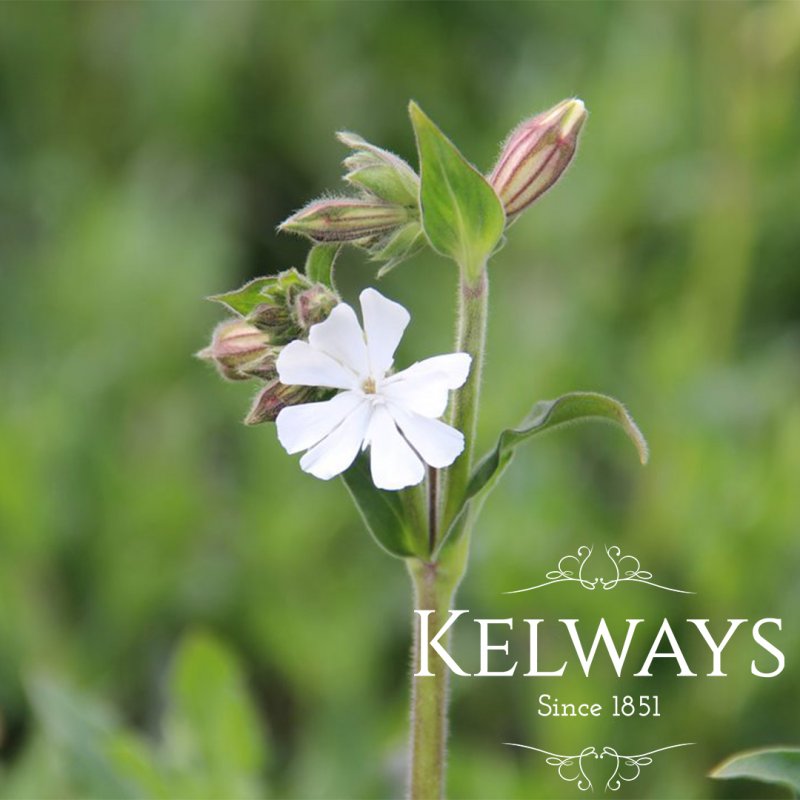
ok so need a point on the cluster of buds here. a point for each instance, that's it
(536, 154)
(383, 218)
(270, 313)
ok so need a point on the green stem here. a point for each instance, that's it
(436, 581)
(473, 298)
(433, 509)
(434, 589)
(415, 509)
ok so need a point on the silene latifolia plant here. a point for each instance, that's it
(401, 437)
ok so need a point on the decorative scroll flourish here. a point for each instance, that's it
(626, 569)
(570, 768)
(625, 768)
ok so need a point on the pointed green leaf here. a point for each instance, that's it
(549, 414)
(319, 263)
(243, 301)
(461, 213)
(273, 289)
(544, 416)
(780, 766)
(382, 511)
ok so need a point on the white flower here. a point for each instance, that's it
(394, 415)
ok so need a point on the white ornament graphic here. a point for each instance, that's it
(573, 569)
(625, 768)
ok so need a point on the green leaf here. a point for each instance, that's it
(319, 263)
(212, 732)
(212, 744)
(549, 414)
(461, 214)
(273, 289)
(546, 415)
(243, 301)
(383, 512)
(780, 766)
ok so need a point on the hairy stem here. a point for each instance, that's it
(435, 582)
(414, 506)
(434, 588)
(433, 508)
(473, 298)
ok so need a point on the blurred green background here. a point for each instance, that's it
(147, 152)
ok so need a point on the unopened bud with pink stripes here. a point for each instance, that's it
(536, 154)
(235, 345)
(347, 219)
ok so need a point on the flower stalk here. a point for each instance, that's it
(435, 585)
(435, 582)
(473, 307)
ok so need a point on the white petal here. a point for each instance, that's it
(453, 368)
(393, 463)
(438, 444)
(423, 394)
(340, 336)
(337, 451)
(384, 323)
(423, 387)
(302, 426)
(301, 364)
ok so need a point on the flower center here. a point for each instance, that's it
(369, 386)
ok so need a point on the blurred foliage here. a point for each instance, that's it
(147, 152)
(211, 744)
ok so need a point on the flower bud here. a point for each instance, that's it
(314, 305)
(234, 345)
(275, 321)
(275, 396)
(350, 220)
(536, 154)
(264, 367)
(284, 306)
(378, 172)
